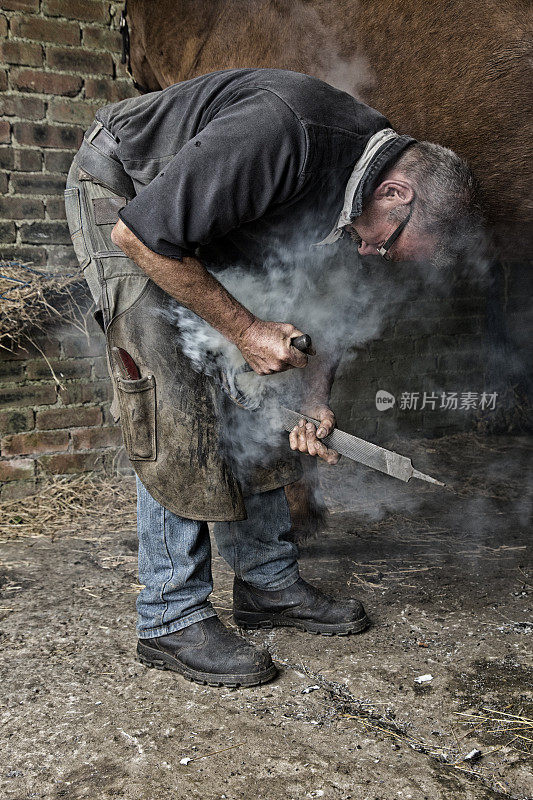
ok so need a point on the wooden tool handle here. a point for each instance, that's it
(302, 343)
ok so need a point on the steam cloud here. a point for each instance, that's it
(332, 296)
(343, 302)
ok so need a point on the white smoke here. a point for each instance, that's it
(330, 295)
(332, 299)
(352, 75)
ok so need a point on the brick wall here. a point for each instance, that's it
(54, 413)
(59, 62)
(433, 346)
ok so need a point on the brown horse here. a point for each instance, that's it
(458, 73)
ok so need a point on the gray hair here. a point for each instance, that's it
(445, 188)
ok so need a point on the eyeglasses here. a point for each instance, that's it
(384, 248)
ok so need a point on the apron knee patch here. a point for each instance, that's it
(105, 209)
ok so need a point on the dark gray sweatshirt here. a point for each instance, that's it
(241, 165)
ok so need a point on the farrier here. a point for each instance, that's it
(232, 169)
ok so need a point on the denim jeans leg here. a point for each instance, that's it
(257, 548)
(174, 567)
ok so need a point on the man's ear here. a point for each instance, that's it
(394, 189)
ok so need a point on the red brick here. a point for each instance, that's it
(19, 159)
(7, 158)
(21, 53)
(16, 105)
(17, 489)
(58, 160)
(48, 346)
(41, 395)
(73, 111)
(20, 5)
(41, 135)
(37, 183)
(46, 30)
(77, 59)
(105, 89)
(81, 346)
(10, 367)
(55, 208)
(69, 463)
(87, 10)
(33, 255)
(48, 343)
(24, 444)
(13, 353)
(93, 392)
(80, 416)
(98, 392)
(95, 438)
(55, 83)
(8, 234)
(3, 25)
(28, 160)
(16, 421)
(17, 469)
(45, 233)
(67, 370)
(5, 131)
(21, 208)
(102, 38)
(11, 371)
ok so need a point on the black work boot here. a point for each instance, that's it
(299, 606)
(208, 653)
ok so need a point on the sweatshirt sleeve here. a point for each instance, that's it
(246, 160)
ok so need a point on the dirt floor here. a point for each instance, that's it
(444, 575)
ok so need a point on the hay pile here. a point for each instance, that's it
(85, 505)
(29, 298)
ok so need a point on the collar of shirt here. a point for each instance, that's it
(382, 149)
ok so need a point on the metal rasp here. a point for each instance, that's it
(360, 450)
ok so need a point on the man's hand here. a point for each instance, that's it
(305, 437)
(266, 346)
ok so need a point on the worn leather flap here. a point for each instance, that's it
(106, 209)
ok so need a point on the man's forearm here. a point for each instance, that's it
(189, 283)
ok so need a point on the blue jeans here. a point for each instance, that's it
(175, 558)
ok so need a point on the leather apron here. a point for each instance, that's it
(173, 417)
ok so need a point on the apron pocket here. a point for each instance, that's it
(137, 414)
(73, 213)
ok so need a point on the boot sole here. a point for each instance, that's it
(249, 620)
(158, 659)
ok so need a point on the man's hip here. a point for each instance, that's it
(170, 413)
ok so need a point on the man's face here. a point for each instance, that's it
(391, 202)
(409, 246)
